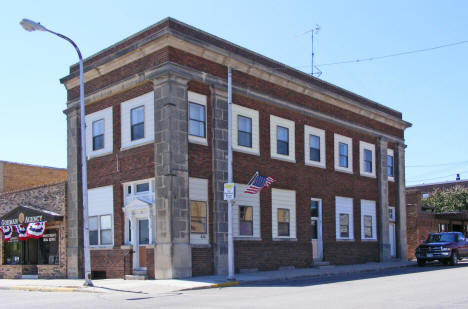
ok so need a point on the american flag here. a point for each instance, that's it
(258, 183)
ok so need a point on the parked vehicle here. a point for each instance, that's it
(448, 248)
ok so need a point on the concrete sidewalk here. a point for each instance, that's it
(205, 282)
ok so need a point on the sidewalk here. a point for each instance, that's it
(204, 282)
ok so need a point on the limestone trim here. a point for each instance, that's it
(241, 64)
(219, 83)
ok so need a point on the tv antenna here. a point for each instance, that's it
(313, 31)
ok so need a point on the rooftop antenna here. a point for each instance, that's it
(313, 31)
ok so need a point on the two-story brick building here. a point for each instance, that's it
(156, 115)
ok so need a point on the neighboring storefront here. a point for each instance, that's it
(33, 237)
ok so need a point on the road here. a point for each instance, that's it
(433, 286)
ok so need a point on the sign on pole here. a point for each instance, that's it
(229, 191)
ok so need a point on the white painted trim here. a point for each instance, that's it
(344, 205)
(106, 115)
(202, 100)
(290, 125)
(283, 199)
(368, 208)
(362, 147)
(308, 130)
(391, 153)
(252, 114)
(146, 100)
(345, 140)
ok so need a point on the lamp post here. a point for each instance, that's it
(30, 25)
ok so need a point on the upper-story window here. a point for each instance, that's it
(197, 122)
(197, 115)
(367, 161)
(245, 137)
(314, 146)
(282, 140)
(343, 153)
(282, 143)
(98, 134)
(244, 131)
(390, 165)
(137, 125)
(137, 121)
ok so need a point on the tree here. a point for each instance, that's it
(453, 199)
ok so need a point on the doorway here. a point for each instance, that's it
(143, 241)
(316, 228)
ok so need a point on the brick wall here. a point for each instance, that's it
(111, 261)
(16, 176)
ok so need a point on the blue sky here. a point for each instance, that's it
(428, 88)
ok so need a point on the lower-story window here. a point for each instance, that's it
(245, 220)
(368, 227)
(42, 251)
(198, 217)
(344, 225)
(100, 230)
(283, 222)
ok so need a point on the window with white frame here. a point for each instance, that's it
(343, 153)
(197, 118)
(283, 206)
(314, 146)
(368, 220)
(140, 189)
(344, 218)
(198, 196)
(391, 214)
(246, 214)
(390, 165)
(137, 121)
(367, 159)
(99, 133)
(245, 134)
(282, 139)
(100, 213)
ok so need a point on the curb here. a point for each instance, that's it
(212, 286)
(46, 289)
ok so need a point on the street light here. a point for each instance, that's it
(30, 25)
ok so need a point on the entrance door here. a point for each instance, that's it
(391, 230)
(143, 240)
(316, 228)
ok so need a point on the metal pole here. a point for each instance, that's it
(30, 25)
(230, 240)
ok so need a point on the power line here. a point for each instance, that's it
(437, 165)
(419, 180)
(395, 54)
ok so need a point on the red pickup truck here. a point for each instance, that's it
(448, 248)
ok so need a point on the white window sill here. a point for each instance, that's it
(135, 145)
(246, 150)
(345, 239)
(198, 140)
(101, 247)
(314, 164)
(343, 170)
(369, 240)
(283, 158)
(248, 238)
(392, 179)
(97, 155)
(368, 175)
(284, 238)
(126, 246)
(200, 245)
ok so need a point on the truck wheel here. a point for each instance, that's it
(454, 258)
(421, 262)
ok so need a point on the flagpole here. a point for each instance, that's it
(230, 239)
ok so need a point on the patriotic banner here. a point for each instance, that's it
(36, 229)
(21, 230)
(258, 182)
(7, 232)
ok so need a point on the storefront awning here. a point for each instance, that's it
(28, 214)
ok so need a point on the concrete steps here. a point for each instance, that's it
(138, 274)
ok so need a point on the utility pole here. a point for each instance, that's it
(230, 202)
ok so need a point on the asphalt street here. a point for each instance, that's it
(433, 286)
